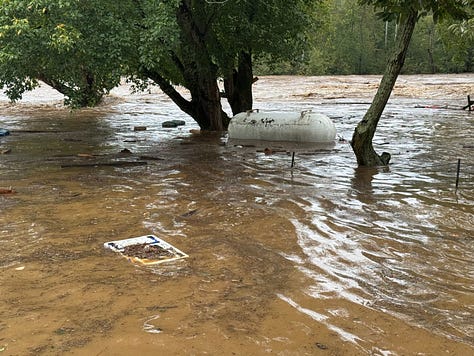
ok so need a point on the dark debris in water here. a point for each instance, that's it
(147, 251)
(7, 191)
(63, 331)
(161, 308)
(105, 164)
(321, 346)
(189, 213)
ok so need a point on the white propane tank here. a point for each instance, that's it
(282, 126)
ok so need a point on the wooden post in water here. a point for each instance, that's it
(457, 174)
(292, 160)
(470, 104)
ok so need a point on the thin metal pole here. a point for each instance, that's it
(457, 174)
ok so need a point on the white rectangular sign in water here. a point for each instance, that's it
(147, 250)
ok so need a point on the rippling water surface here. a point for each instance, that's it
(321, 258)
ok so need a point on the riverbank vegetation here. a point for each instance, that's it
(354, 39)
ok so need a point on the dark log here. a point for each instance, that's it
(105, 164)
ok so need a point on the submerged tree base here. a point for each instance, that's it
(362, 146)
(365, 130)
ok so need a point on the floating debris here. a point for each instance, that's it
(105, 164)
(151, 158)
(173, 123)
(150, 328)
(147, 250)
(321, 346)
(7, 191)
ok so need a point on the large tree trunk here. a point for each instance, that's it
(365, 130)
(89, 95)
(238, 85)
(204, 104)
(199, 71)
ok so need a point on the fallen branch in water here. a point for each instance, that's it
(105, 164)
(38, 131)
(151, 158)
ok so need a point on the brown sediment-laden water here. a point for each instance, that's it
(320, 259)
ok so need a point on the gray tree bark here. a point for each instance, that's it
(238, 85)
(364, 132)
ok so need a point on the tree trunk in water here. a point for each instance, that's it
(204, 104)
(88, 95)
(238, 85)
(199, 71)
(363, 134)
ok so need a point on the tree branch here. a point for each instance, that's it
(170, 91)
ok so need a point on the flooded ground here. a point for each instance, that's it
(325, 258)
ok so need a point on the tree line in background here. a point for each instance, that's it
(353, 39)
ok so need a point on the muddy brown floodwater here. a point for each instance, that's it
(322, 259)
